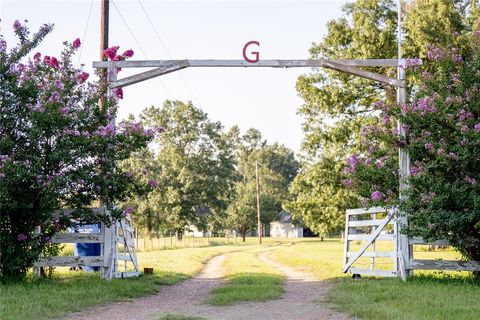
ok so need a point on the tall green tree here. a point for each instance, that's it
(337, 106)
(191, 170)
(277, 167)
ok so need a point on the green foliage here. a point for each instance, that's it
(314, 191)
(277, 167)
(58, 149)
(191, 170)
(442, 126)
(338, 106)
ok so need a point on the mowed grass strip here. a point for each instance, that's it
(248, 279)
(248, 287)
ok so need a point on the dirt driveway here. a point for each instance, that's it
(301, 301)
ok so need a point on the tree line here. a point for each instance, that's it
(203, 176)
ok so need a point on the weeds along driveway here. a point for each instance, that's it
(302, 300)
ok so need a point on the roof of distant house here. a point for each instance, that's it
(284, 217)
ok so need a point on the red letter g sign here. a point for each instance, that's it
(256, 54)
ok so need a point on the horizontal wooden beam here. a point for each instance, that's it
(277, 63)
(351, 212)
(93, 261)
(67, 212)
(421, 241)
(364, 237)
(366, 223)
(126, 274)
(77, 238)
(453, 265)
(373, 254)
(370, 272)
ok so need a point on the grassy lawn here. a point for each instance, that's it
(248, 287)
(429, 295)
(74, 291)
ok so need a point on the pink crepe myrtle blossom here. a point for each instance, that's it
(65, 110)
(17, 25)
(118, 93)
(21, 237)
(111, 52)
(82, 77)
(380, 163)
(348, 182)
(128, 53)
(152, 183)
(53, 62)
(471, 180)
(477, 127)
(352, 163)
(376, 195)
(39, 107)
(59, 85)
(76, 43)
(429, 147)
(453, 156)
(37, 57)
(127, 211)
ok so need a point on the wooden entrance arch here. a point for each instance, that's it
(403, 250)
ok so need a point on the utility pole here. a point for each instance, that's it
(259, 224)
(104, 15)
(104, 27)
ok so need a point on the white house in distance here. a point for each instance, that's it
(284, 228)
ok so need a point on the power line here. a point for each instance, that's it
(165, 48)
(138, 44)
(85, 33)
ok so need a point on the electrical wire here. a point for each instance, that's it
(165, 48)
(85, 33)
(138, 44)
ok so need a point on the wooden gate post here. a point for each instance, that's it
(404, 171)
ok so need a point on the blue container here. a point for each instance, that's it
(87, 249)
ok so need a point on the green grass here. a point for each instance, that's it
(172, 316)
(428, 295)
(68, 291)
(248, 279)
(248, 287)
(63, 293)
(425, 297)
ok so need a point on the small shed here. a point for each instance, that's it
(284, 227)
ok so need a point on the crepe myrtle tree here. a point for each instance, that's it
(58, 148)
(442, 126)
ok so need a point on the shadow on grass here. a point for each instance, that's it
(248, 287)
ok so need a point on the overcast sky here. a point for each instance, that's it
(262, 98)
